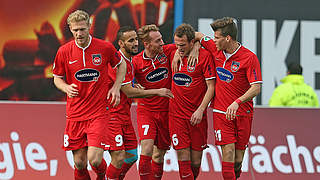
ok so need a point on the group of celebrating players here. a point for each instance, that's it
(174, 85)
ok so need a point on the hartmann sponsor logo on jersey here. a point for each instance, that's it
(181, 79)
(87, 75)
(157, 75)
(224, 74)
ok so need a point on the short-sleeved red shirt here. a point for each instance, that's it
(87, 68)
(153, 74)
(189, 85)
(235, 75)
(123, 108)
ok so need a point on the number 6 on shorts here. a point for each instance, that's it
(175, 140)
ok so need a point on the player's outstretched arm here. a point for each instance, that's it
(70, 89)
(198, 114)
(114, 92)
(132, 92)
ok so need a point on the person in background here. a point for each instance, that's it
(294, 92)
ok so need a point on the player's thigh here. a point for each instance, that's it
(243, 129)
(130, 138)
(97, 132)
(162, 140)
(224, 129)
(116, 140)
(179, 132)
(199, 135)
(74, 135)
(146, 125)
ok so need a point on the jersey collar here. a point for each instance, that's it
(90, 38)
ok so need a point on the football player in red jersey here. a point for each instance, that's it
(122, 138)
(238, 81)
(83, 62)
(152, 70)
(193, 89)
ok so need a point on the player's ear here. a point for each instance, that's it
(192, 41)
(120, 43)
(145, 44)
(228, 38)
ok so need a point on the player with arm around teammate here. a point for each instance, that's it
(152, 71)
(83, 62)
(193, 89)
(122, 138)
(238, 81)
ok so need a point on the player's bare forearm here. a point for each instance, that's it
(120, 74)
(141, 93)
(209, 93)
(114, 92)
(197, 115)
(252, 92)
(70, 89)
(60, 83)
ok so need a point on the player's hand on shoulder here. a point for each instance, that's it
(193, 57)
(71, 90)
(176, 61)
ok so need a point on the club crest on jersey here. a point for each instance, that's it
(191, 68)
(182, 79)
(224, 74)
(206, 38)
(162, 58)
(87, 75)
(157, 75)
(235, 66)
(96, 59)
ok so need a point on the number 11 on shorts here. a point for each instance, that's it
(218, 134)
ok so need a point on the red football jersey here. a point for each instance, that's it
(87, 68)
(234, 76)
(123, 109)
(189, 85)
(153, 74)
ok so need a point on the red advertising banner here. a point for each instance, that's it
(284, 145)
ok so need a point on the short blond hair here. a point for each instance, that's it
(143, 32)
(77, 16)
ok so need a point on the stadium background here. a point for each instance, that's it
(284, 143)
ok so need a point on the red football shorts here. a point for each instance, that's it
(236, 131)
(79, 134)
(154, 125)
(121, 136)
(184, 135)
